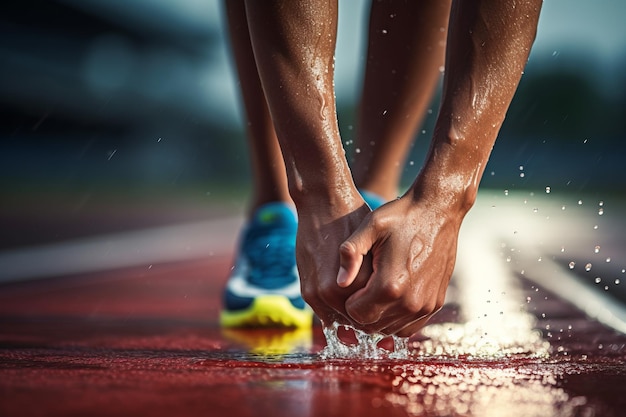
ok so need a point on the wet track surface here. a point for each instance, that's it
(145, 340)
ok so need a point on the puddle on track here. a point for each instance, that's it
(520, 384)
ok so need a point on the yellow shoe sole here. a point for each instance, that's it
(268, 311)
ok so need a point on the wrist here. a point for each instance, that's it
(323, 186)
(450, 177)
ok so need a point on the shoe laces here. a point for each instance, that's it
(271, 255)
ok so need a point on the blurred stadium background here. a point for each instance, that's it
(104, 100)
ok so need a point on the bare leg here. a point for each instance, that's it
(268, 169)
(405, 54)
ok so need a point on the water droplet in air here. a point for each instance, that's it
(601, 203)
(600, 211)
(384, 31)
(598, 280)
(606, 288)
(528, 299)
(506, 192)
(357, 150)
(597, 249)
(572, 265)
(617, 281)
(588, 267)
(580, 202)
(608, 259)
(548, 190)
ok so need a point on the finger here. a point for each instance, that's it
(367, 305)
(412, 328)
(351, 253)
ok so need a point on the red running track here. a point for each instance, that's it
(146, 341)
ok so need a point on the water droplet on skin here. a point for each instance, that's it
(588, 267)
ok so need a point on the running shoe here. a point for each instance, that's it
(263, 289)
(373, 200)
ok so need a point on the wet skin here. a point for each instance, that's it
(394, 263)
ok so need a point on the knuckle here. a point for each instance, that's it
(392, 290)
(347, 248)
(378, 222)
(309, 295)
(419, 307)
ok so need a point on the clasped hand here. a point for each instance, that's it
(394, 264)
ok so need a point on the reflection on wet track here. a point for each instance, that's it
(144, 338)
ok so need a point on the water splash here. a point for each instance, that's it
(366, 346)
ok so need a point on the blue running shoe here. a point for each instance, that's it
(372, 200)
(263, 289)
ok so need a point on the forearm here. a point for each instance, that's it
(488, 45)
(294, 44)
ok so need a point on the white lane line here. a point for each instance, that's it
(105, 252)
(529, 233)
